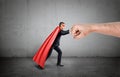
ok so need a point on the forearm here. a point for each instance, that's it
(107, 28)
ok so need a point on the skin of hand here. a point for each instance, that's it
(80, 30)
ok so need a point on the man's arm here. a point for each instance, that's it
(79, 31)
(64, 32)
(108, 28)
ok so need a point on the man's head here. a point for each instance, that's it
(62, 25)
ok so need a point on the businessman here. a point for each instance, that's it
(56, 44)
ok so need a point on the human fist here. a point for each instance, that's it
(81, 30)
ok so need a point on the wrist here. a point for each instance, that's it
(93, 28)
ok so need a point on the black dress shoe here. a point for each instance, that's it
(59, 65)
(40, 67)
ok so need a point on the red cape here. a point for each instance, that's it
(42, 53)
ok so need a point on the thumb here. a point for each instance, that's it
(81, 35)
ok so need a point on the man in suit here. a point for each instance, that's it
(56, 44)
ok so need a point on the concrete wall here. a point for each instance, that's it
(24, 25)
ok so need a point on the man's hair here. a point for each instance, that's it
(61, 23)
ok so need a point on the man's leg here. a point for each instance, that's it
(59, 55)
(47, 56)
(49, 53)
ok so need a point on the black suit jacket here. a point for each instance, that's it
(57, 40)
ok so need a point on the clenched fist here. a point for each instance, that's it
(81, 30)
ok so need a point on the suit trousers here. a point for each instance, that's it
(58, 50)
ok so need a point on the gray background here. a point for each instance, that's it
(24, 25)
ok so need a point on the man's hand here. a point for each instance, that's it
(81, 30)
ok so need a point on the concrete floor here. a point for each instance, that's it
(73, 67)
